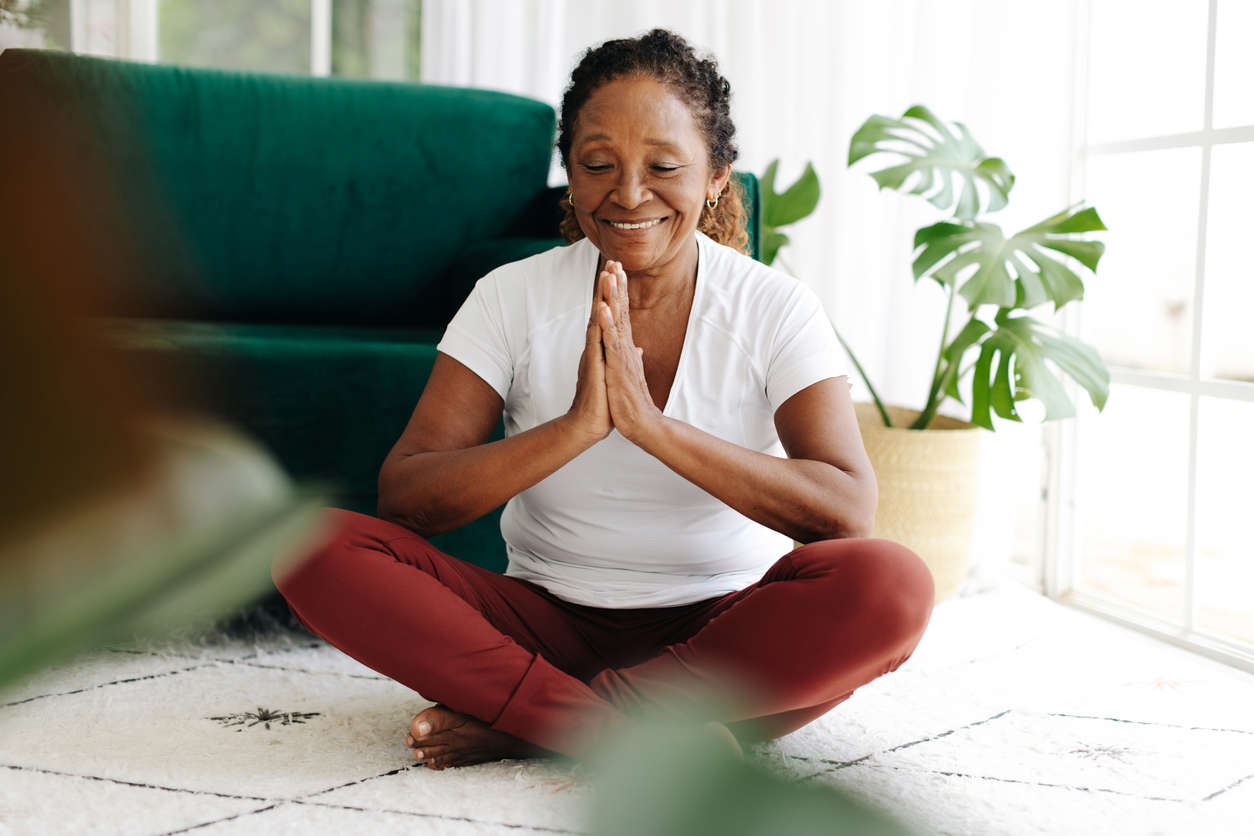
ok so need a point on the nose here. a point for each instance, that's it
(630, 191)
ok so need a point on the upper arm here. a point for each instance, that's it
(457, 409)
(819, 423)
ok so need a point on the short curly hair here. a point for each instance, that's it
(669, 59)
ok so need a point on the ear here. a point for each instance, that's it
(718, 180)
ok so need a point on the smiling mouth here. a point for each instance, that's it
(640, 225)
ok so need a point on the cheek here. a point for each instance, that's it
(687, 195)
(589, 190)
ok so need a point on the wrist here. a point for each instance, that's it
(577, 431)
(646, 430)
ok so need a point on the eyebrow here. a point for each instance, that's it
(602, 137)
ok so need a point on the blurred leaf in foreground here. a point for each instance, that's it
(121, 515)
(668, 776)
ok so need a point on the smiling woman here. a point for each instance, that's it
(640, 175)
(696, 101)
(675, 416)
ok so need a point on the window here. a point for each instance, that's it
(1154, 494)
(358, 38)
(35, 24)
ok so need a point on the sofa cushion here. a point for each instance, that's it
(328, 402)
(284, 198)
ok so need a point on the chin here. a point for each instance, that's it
(633, 262)
(633, 256)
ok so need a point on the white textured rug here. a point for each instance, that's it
(1016, 715)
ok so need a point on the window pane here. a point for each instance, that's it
(35, 24)
(1228, 295)
(1147, 68)
(376, 38)
(264, 35)
(1225, 547)
(1029, 506)
(1131, 498)
(1144, 283)
(1234, 64)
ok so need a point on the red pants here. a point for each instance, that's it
(824, 620)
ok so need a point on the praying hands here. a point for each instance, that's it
(612, 391)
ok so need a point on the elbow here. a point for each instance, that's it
(384, 506)
(390, 506)
(864, 525)
(415, 522)
(848, 518)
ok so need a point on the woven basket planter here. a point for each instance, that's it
(928, 487)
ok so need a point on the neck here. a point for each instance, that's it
(649, 288)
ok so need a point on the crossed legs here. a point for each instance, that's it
(824, 620)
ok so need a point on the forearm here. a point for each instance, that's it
(440, 490)
(807, 500)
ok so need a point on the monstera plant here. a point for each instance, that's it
(780, 209)
(998, 276)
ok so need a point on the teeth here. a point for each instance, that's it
(644, 225)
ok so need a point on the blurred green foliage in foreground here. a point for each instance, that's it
(665, 776)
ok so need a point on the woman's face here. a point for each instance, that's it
(639, 173)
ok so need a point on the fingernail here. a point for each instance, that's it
(418, 754)
(423, 728)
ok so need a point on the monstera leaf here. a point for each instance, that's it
(1020, 346)
(939, 154)
(784, 208)
(1011, 272)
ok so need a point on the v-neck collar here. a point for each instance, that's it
(594, 259)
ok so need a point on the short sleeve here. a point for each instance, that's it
(478, 336)
(804, 349)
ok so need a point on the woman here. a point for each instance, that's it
(675, 416)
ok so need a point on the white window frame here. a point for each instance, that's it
(1061, 546)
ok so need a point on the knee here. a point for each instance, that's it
(318, 555)
(883, 578)
(902, 582)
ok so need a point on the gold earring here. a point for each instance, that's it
(570, 198)
(714, 203)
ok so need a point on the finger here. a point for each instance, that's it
(610, 336)
(597, 347)
(624, 300)
(611, 291)
(603, 287)
(605, 320)
(621, 284)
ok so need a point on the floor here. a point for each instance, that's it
(1015, 715)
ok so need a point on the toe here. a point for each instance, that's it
(434, 719)
(428, 753)
(421, 725)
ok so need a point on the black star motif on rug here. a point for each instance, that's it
(248, 719)
(1098, 752)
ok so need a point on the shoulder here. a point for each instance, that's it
(550, 279)
(556, 262)
(748, 285)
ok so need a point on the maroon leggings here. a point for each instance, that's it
(824, 620)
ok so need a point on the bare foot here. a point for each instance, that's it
(457, 739)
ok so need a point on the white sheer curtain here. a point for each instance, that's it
(804, 76)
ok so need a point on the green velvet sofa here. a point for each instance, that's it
(302, 241)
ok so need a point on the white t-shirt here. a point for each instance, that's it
(615, 527)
